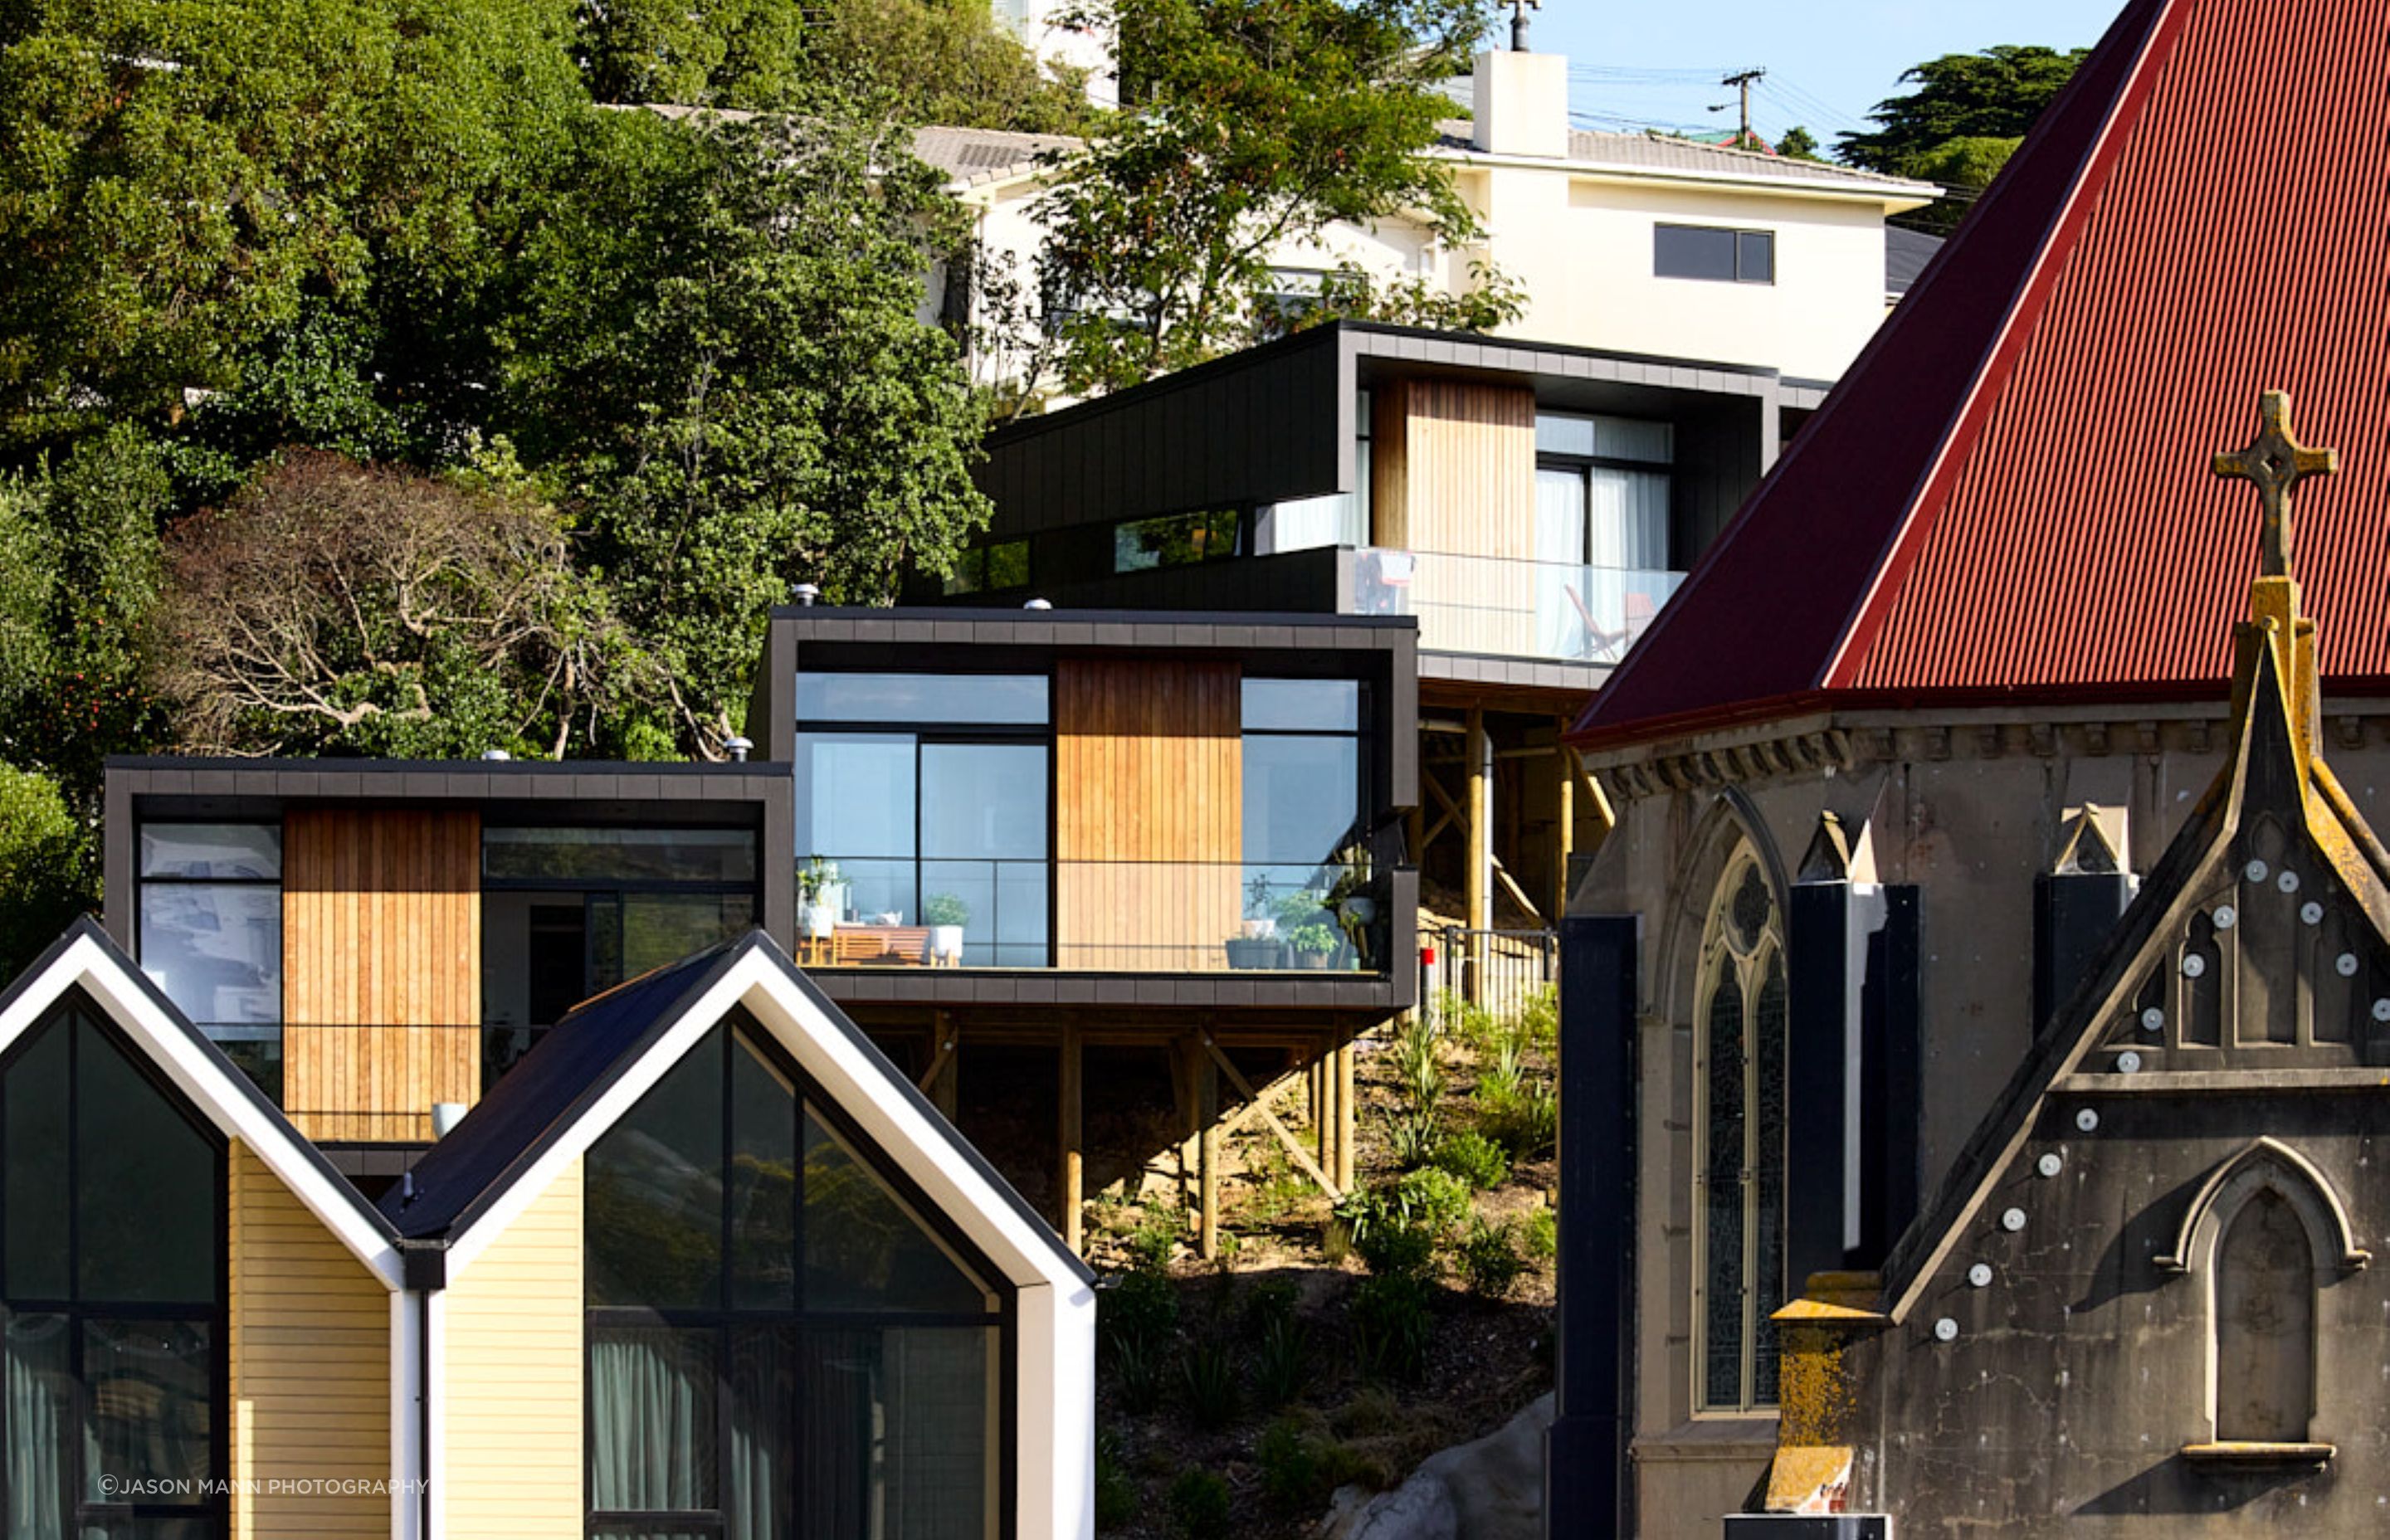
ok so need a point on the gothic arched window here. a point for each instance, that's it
(1739, 1090)
(2265, 1325)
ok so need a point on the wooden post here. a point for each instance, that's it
(1074, 1188)
(1564, 785)
(1315, 1107)
(946, 1064)
(1344, 1103)
(1182, 1092)
(1207, 1114)
(1480, 846)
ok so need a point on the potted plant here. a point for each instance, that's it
(1313, 944)
(946, 915)
(1254, 949)
(822, 894)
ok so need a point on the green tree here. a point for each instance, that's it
(1798, 143)
(1258, 122)
(1958, 126)
(943, 61)
(47, 875)
(722, 366)
(188, 176)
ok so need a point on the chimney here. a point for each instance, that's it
(1520, 105)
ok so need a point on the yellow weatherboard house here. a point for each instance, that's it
(701, 1264)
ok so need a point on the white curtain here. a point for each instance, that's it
(650, 1421)
(36, 1384)
(1629, 526)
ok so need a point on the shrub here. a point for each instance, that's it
(1418, 1065)
(1436, 1201)
(945, 909)
(1370, 1410)
(1141, 1308)
(1392, 1325)
(1300, 1468)
(1467, 1022)
(1117, 1500)
(1540, 1018)
(1525, 1121)
(1543, 1236)
(1490, 1260)
(1281, 1367)
(1411, 1138)
(1198, 1504)
(1207, 1377)
(1155, 1239)
(1397, 1249)
(1476, 1159)
(1137, 1376)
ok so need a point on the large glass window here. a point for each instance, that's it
(1738, 1083)
(927, 846)
(1303, 828)
(1179, 541)
(570, 911)
(111, 1296)
(784, 1343)
(1603, 495)
(210, 918)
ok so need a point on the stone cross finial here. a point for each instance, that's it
(2277, 463)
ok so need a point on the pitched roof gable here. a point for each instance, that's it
(2274, 774)
(1998, 500)
(594, 1065)
(86, 958)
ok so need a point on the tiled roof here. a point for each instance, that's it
(2008, 496)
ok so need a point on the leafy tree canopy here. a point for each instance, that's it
(1798, 143)
(1959, 127)
(1257, 122)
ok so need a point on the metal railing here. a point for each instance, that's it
(1504, 607)
(1499, 971)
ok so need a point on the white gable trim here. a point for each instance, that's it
(206, 1082)
(1053, 1415)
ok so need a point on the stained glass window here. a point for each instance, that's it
(1742, 1022)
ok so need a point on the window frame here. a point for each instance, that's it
(1005, 1320)
(589, 888)
(216, 1511)
(1735, 234)
(1237, 520)
(1718, 954)
(142, 881)
(923, 732)
(974, 563)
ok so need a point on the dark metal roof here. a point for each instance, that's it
(1907, 255)
(2009, 496)
(557, 1083)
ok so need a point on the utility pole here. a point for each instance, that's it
(1746, 80)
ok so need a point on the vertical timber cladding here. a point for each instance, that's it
(382, 969)
(1149, 840)
(1453, 479)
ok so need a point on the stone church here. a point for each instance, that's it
(1987, 959)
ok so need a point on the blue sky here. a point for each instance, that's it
(1656, 63)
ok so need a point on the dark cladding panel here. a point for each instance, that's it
(2073, 914)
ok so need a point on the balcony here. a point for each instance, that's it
(1550, 610)
(1108, 917)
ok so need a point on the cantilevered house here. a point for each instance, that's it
(703, 1265)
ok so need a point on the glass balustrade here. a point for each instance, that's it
(1511, 608)
(1109, 917)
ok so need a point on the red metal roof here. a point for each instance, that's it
(2008, 496)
